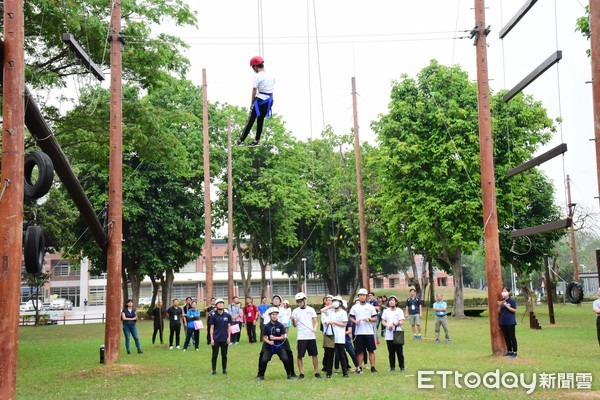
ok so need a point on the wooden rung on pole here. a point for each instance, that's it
(549, 227)
(550, 154)
(543, 67)
(515, 20)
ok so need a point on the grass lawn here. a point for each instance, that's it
(62, 362)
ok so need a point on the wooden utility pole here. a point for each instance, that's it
(364, 259)
(595, 56)
(207, 209)
(229, 216)
(549, 290)
(114, 302)
(11, 193)
(488, 183)
(571, 207)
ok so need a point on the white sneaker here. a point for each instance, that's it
(178, 348)
(170, 347)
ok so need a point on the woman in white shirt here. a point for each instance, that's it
(338, 321)
(392, 319)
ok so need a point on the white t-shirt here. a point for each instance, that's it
(339, 332)
(326, 316)
(264, 82)
(392, 316)
(360, 312)
(304, 322)
(284, 315)
(596, 304)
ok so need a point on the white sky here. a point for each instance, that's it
(378, 40)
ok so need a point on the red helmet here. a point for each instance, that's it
(256, 60)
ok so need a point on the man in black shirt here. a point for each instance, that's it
(209, 310)
(273, 335)
(175, 313)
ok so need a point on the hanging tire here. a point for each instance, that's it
(34, 249)
(574, 292)
(38, 188)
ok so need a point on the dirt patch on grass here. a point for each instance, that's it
(113, 370)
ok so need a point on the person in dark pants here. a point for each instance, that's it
(338, 321)
(507, 307)
(175, 314)
(235, 310)
(250, 317)
(192, 315)
(273, 335)
(157, 314)
(209, 311)
(392, 320)
(129, 317)
(262, 100)
(220, 335)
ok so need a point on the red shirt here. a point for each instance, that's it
(250, 312)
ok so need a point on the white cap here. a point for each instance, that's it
(362, 291)
(272, 310)
(300, 296)
(286, 302)
(338, 298)
(219, 300)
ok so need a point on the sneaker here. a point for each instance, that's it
(346, 376)
(328, 376)
(140, 351)
(359, 370)
(419, 337)
(301, 376)
(170, 347)
(239, 143)
(373, 370)
(197, 350)
(178, 348)
(336, 372)
(290, 377)
(447, 341)
(437, 341)
(514, 355)
(318, 376)
(392, 370)
(184, 349)
(260, 378)
(236, 343)
(224, 372)
(253, 143)
(508, 354)
(402, 369)
(214, 372)
(128, 352)
(414, 337)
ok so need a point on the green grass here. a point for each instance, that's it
(62, 362)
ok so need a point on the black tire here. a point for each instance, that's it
(34, 249)
(574, 292)
(45, 174)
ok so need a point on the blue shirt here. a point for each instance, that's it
(192, 315)
(508, 317)
(128, 314)
(262, 308)
(221, 323)
(410, 302)
(440, 304)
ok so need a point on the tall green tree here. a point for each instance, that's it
(429, 163)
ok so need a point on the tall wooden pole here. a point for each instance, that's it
(114, 302)
(572, 232)
(229, 216)
(595, 56)
(364, 259)
(207, 209)
(549, 290)
(488, 183)
(11, 193)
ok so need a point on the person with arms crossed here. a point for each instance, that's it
(363, 315)
(220, 335)
(392, 320)
(304, 318)
(174, 314)
(129, 317)
(507, 308)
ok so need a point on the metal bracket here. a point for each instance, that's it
(475, 33)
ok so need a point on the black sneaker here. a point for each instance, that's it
(290, 377)
(301, 376)
(513, 355)
(253, 143)
(224, 372)
(260, 378)
(328, 376)
(402, 369)
(373, 369)
(214, 372)
(346, 376)
(359, 370)
(392, 370)
(140, 352)
(508, 354)
(318, 376)
(239, 143)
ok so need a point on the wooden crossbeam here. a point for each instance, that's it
(550, 154)
(543, 67)
(549, 227)
(81, 54)
(514, 20)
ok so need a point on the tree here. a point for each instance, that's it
(429, 163)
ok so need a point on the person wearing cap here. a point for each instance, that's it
(363, 315)
(220, 335)
(440, 307)
(304, 318)
(283, 318)
(262, 99)
(392, 320)
(338, 320)
(273, 337)
(414, 310)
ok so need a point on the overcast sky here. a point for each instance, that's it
(377, 41)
